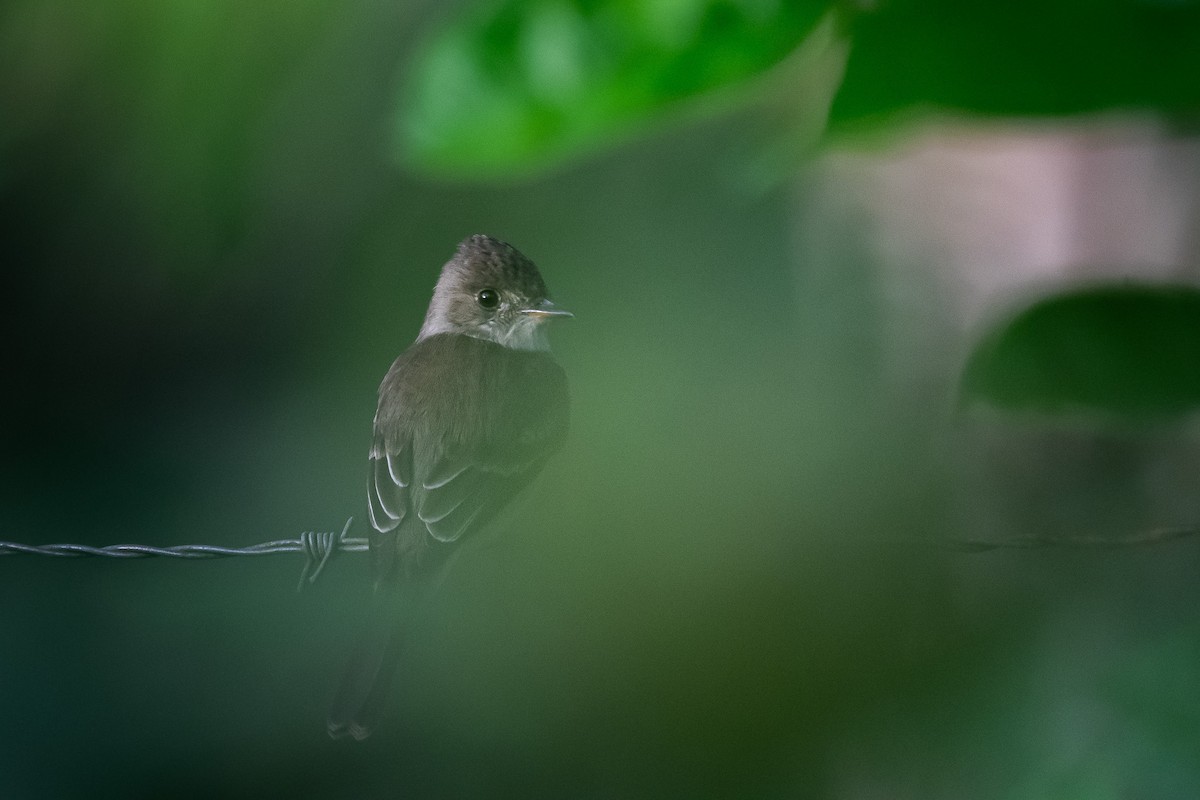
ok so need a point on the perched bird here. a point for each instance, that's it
(467, 416)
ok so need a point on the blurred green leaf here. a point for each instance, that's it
(1127, 351)
(515, 85)
(1022, 58)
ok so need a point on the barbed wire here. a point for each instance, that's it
(1149, 537)
(317, 546)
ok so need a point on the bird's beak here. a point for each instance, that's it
(546, 310)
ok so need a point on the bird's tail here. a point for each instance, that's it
(366, 685)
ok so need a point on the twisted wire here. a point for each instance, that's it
(317, 546)
(1143, 538)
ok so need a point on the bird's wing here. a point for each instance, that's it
(464, 490)
(450, 474)
(460, 485)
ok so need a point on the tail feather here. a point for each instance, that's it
(371, 669)
(363, 694)
(365, 689)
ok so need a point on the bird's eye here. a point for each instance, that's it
(488, 298)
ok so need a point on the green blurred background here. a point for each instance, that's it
(223, 221)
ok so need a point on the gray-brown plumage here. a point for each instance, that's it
(467, 417)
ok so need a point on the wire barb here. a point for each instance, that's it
(317, 546)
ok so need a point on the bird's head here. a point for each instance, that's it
(490, 290)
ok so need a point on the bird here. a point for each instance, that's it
(467, 417)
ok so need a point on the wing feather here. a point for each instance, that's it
(399, 470)
(387, 490)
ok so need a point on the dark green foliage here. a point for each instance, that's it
(1022, 58)
(1127, 350)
